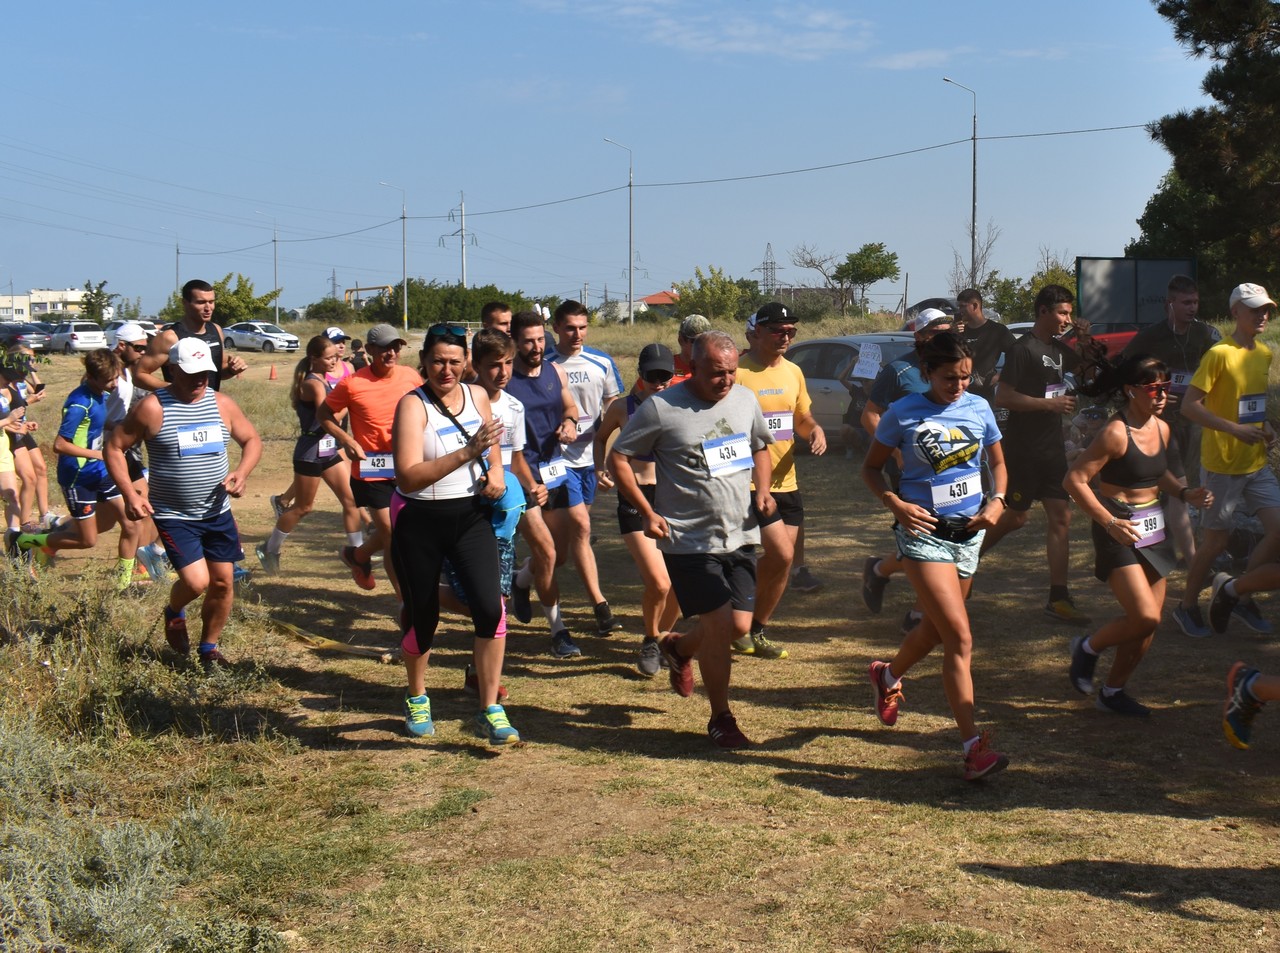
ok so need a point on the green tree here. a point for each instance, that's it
(432, 302)
(712, 294)
(1224, 154)
(234, 303)
(332, 311)
(129, 309)
(95, 301)
(863, 268)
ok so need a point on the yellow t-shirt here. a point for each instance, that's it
(783, 395)
(1234, 381)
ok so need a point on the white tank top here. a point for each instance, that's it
(441, 437)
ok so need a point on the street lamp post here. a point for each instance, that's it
(631, 232)
(973, 219)
(404, 253)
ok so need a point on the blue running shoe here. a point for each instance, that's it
(239, 574)
(1241, 707)
(521, 605)
(151, 564)
(492, 723)
(1191, 622)
(417, 716)
(1246, 611)
(563, 646)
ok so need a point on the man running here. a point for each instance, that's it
(198, 302)
(551, 421)
(186, 427)
(370, 396)
(780, 389)
(594, 386)
(710, 444)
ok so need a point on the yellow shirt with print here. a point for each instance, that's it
(1227, 374)
(780, 390)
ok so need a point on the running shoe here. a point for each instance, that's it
(49, 521)
(873, 586)
(982, 761)
(11, 543)
(650, 658)
(1221, 603)
(270, 562)
(1082, 667)
(563, 646)
(1121, 703)
(911, 620)
(1064, 610)
(417, 716)
(762, 647)
(802, 580)
(239, 574)
(1241, 707)
(471, 685)
(743, 646)
(679, 668)
(175, 631)
(886, 700)
(1191, 622)
(492, 723)
(213, 660)
(362, 573)
(521, 605)
(148, 560)
(276, 507)
(1246, 610)
(724, 731)
(606, 624)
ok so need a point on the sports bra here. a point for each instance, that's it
(1135, 470)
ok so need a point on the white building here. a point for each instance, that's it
(38, 303)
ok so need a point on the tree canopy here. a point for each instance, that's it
(234, 303)
(95, 301)
(1226, 168)
(863, 268)
(432, 302)
(712, 294)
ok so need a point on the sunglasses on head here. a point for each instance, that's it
(1155, 389)
(657, 377)
(452, 333)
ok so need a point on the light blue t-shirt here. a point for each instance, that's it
(942, 447)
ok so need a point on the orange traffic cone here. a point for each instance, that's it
(272, 376)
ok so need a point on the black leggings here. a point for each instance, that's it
(425, 534)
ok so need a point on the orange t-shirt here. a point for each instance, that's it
(371, 404)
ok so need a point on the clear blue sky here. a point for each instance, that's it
(129, 128)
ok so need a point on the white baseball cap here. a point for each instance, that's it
(1253, 296)
(191, 355)
(132, 332)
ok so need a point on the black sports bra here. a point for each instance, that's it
(1135, 470)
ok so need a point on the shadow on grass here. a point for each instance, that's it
(1155, 887)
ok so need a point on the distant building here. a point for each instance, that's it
(38, 303)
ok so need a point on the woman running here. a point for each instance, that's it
(316, 456)
(26, 388)
(939, 522)
(442, 510)
(660, 609)
(1130, 461)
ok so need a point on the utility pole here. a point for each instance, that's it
(631, 232)
(973, 219)
(404, 254)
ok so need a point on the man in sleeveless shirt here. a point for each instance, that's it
(198, 303)
(186, 427)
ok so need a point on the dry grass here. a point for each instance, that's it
(615, 827)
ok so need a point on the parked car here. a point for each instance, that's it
(48, 327)
(27, 334)
(259, 336)
(118, 323)
(832, 374)
(72, 336)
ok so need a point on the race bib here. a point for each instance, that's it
(586, 429)
(327, 446)
(951, 493)
(451, 438)
(553, 473)
(726, 455)
(96, 443)
(780, 424)
(1055, 390)
(1149, 523)
(1253, 409)
(195, 440)
(377, 465)
(1179, 381)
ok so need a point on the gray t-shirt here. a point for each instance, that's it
(703, 486)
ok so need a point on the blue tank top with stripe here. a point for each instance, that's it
(187, 459)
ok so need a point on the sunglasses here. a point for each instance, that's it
(657, 377)
(1158, 389)
(447, 331)
(780, 332)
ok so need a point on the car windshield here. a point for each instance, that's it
(270, 329)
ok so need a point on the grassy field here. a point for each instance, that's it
(280, 806)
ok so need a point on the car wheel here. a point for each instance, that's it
(267, 347)
(229, 342)
(66, 349)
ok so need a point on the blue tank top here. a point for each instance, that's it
(543, 413)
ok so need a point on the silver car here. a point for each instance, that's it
(70, 336)
(833, 375)
(259, 336)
